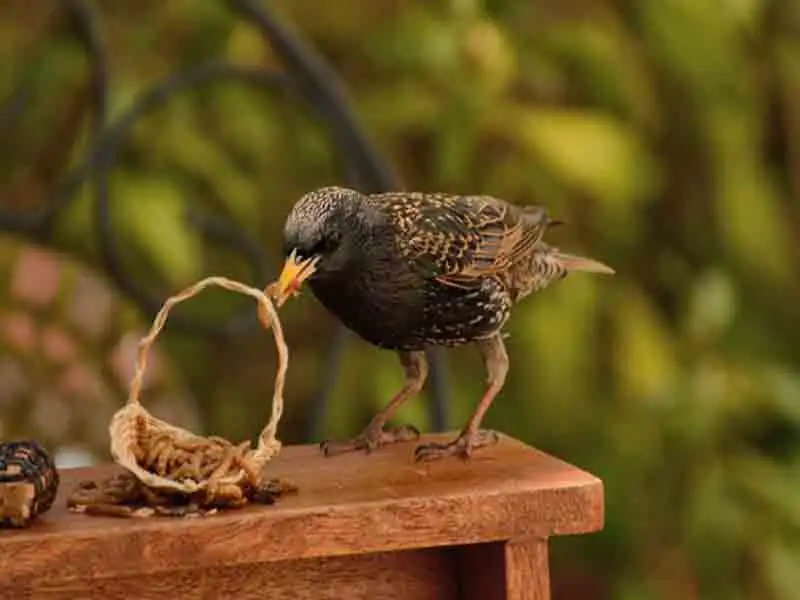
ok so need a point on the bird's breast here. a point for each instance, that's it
(402, 311)
(382, 307)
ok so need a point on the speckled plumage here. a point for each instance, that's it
(424, 269)
(407, 270)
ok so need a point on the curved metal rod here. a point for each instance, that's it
(103, 157)
(85, 24)
(364, 166)
(37, 223)
(319, 87)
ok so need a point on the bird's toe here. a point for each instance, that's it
(463, 446)
(483, 438)
(432, 451)
(371, 439)
(334, 448)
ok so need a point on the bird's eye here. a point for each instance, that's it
(325, 245)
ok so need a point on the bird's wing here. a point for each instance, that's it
(458, 240)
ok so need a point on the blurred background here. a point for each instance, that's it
(146, 144)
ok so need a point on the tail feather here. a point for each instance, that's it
(581, 263)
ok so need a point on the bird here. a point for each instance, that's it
(406, 271)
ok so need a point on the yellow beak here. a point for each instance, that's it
(294, 273)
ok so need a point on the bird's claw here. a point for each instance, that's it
(370, 439)
(462, 446)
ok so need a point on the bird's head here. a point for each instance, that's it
(314, 237)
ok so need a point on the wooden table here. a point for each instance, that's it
(361, 527)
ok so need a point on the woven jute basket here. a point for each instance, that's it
(167, 458)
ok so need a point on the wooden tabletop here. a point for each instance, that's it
(348, 504)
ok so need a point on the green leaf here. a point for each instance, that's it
(646, 358)
(588, 151)
(712, 304)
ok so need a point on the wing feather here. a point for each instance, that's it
(459, 240)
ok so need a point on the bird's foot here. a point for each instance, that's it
(371, 439)
(462, 446)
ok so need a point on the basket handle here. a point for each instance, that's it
(268, 444)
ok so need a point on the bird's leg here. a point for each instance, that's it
(472, 437)
(374, 435)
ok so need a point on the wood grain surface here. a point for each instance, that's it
(406, 575)
(527, 570)
(347, 505)
(512, 570)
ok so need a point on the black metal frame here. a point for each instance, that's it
(306, 78)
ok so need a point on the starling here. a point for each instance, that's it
(409, 270)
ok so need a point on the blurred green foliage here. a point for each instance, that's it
(665, 132)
